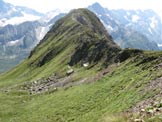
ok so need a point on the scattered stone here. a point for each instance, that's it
(151, 112)
(40, 89)
(69, 72)
(86, 64)
(159, 66)
(138, 120)
(55, 88)
(52, 83)
(142, 110)
(35, 82)
(158, 109)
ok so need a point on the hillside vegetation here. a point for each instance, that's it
(77, 73)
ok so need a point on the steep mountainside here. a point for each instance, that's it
(77, 73)
(16, 41)
(75, 39)
(134, 25)
(85, 33)
(129, 28)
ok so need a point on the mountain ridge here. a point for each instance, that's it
(80, 20)
(77, 73)
(125, 36)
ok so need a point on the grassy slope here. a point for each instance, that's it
(117, 92)
(54, 53)
(24, 72)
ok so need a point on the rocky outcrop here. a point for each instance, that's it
(152, 106)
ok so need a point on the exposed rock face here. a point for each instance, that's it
(131, 28)
(84, 34)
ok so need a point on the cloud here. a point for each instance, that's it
(47, 5)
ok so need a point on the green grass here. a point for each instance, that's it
(103, 100)
(99, 101)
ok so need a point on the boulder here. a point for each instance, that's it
(142, 110)
(69, 72)
(86, 64)
(138, 120)
(158, 109)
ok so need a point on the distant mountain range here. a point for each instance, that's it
(19, 34)
(128, 28)
(131, 28)
(77, 73)
(10, 14)
(25, 35)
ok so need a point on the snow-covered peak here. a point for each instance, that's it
(18, 20)
(50, 15)
(10, 14)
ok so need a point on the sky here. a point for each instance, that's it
(48, 5)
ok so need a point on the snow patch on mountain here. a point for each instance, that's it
(50, 15)
(135, 18)
(150, 30)
(128, 13)
(159, 45)
(153, 22)
(12, 43)
(41, 31)
(15, 42)
(10, 14)
(18, 20)
(126, 17)
(108, 15)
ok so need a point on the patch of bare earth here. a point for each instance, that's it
(52, 83)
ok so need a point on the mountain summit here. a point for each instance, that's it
(76, 41)
(77, 73)
(81, 35)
